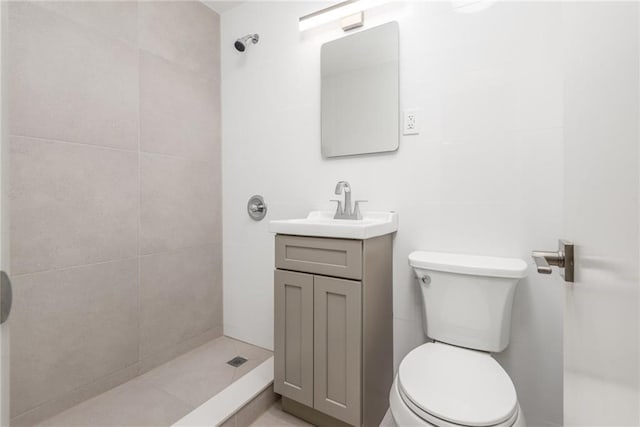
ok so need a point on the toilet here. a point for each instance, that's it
(454, 381)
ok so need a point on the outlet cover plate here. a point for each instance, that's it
(410, 122)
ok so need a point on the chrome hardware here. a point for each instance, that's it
(256, 208)
(356, 209)
(563, 258)
(338, 207)
(542, 260)
(6, 296)
(345, 211)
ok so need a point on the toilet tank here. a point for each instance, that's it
(468, 298)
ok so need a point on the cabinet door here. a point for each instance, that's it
(293, 356)
(338, 343)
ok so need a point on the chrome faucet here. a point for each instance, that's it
(346, 212)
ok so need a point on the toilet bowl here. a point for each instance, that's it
(454, 381)
(443, 385)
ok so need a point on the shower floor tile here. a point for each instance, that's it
(167, 393)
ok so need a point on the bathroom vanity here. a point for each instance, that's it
(333, 326)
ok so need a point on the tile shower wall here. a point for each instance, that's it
(115, 193)
(481, 177)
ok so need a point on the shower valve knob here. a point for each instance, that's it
(256, 208)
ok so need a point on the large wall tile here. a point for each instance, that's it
(185, 32)
(179, 110)
(179, 203)
(96, 191)
(70, 327)
(180, 297)
(71, 204)
(113, 18)
(80, 394)
(69, 83)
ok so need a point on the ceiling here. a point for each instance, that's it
(222, 6)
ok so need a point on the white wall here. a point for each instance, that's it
(482, 176)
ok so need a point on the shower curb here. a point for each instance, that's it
(239, 404)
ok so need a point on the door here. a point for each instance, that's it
(338, 348)
(293, 335)
(601, 212)
(4, 237)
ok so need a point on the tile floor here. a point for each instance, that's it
(275, 416)
(167, 393)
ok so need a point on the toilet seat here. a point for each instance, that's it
(404, 416)
(438, 422)
(447, 385)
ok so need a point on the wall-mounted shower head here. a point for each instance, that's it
(241, 43)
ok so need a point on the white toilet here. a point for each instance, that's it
(454, 381)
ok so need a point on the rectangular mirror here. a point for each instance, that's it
(360, 86)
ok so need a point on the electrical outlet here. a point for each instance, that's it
(410, 122)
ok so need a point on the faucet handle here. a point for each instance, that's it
(338, 207)
(356, 209)
(342, 185)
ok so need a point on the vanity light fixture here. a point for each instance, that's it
(350, 11)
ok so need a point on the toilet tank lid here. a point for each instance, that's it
(477, 265)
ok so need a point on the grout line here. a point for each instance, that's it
(131, 258)
(79, 389)
(246, 342)
(178, 250)
(139, 314)
(136, 377)
(137, 42)
(175, 156)
(222, 364)
(84, 144)
(134, 45)
(180, 353)
(189, 405)
(72, 267)
(138, 150)
(200, 74)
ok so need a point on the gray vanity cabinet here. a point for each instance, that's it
(294, 322)
(337, 348)
(333, 328)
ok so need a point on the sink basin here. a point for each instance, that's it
(322, 224)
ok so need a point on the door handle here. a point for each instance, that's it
(544, 260)
(563, 258)
(6, 296)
